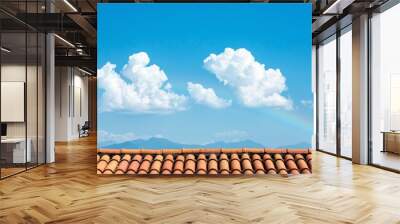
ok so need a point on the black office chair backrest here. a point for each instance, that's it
(86, 125)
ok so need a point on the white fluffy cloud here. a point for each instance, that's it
(145, 88)
(254, 85)
(206, 96)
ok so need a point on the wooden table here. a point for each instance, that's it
(391, 141)
(13, 150)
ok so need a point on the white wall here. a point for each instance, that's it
(71, 87)
(33, 126)
(17, 73)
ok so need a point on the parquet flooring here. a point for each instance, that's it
(69, 191)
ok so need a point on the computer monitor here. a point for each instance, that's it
(3, 129)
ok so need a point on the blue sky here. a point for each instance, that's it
(178, 38)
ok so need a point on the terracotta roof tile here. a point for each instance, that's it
(179, 163)
(217, 151)
(127, 157)
(134, 166)
(213, 164)
(190, 164)
(309, 161)
(168, 164)
(223, 156)
(224, 166)
(231, 150)
(235, 164)
(185, 151)
(101, 165)
(106, 158)
(137, 158)
(269, 164)
(171, 151)
(280, 165)
(298, 151)
(257, 164)
(145, 165)
(247, 161)
(301, 164)
(291, 165)
(110, 151)
(131, 151)
(111, 167)
(275, 151)
(213, 156)
(235, 156)
(246, 164)
(156, 165)
(152, 151)
(201, 164)
(122, 167)
(167, 167)
(253, 150)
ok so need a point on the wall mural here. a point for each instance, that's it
(202, 77)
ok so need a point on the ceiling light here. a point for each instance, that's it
(64, 40)
(84, 71)
(70, 5)
(337, 7)
(5, 50)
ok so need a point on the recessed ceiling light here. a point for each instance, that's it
(84, 71)
(64, 40)
(70, 5)
(5, 50)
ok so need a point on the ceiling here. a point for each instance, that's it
(75, 22)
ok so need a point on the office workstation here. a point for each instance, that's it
(15, 146)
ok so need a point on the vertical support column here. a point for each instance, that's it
(50, 99)
(316, 107)
(338, 91)
(314, 91)
(360, 89)
(50, 92)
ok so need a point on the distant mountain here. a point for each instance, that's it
(161, 143)
(238, 144)
(300, 145)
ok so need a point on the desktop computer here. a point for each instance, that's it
(3, 131)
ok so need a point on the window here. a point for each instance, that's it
(385, 89)
(346, 92)
(327, 95)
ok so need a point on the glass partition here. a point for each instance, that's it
(22, 77)
(13, 105)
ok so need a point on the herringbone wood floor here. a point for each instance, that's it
(69, 191)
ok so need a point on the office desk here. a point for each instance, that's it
(16, 146)
(391, 141)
